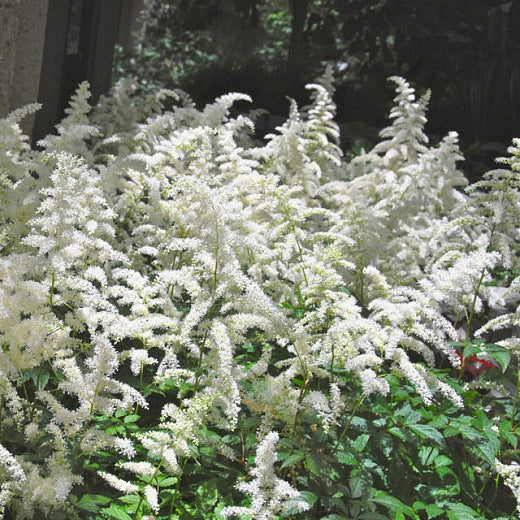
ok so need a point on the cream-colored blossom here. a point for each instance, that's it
(121, 485)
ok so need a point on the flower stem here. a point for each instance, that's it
(349, 422)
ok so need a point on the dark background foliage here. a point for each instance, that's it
(467, 52)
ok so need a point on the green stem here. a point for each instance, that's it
(300, 251)
(217, 250)
(332, 359)
(477, 289)
(199, 363)
(301, 397)
(140, 387)
(517, 395)
(349, 422)
(2, 403)
(51, 291)
(474, 304)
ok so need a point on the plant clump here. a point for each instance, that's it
(199, 324)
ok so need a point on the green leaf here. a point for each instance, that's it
(92, 502)
(293, 459)
(42, 380)
(131, 418)
(393, 504)
(443, 460)
(427, 455)
(345, 457)
(168, 481)
(463, 426)
(372, 515)
(130, 499)
(500, 354)
(360, 443)
(356, 487)
(425, 431)
(207, 494)
(506, 429)
(458, 511)
(470, 349)
(308, 497)
(397, 432)
(312, 466)
(485, 450)
(432, 510)
(116, 512)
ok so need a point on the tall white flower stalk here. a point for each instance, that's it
(19, 183)
(270, 495)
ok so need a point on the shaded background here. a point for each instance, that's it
(466, 52)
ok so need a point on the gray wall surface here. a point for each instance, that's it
(22, 31)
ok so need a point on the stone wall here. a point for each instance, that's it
(22, 32)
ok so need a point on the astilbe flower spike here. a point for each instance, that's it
(269, 494)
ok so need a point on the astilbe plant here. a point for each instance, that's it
(193, 317)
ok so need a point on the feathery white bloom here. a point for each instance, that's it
(12, 477)
(138, 359)
(121, 485)
(152, 497)
(372, 384)
(140, 468)
(269, 494)
(511, 475)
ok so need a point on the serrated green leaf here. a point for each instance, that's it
(486, 451)
(131, 418)
(361, 441)
(427, 455)
(207, 494)
(91, 503)
(168, 481)
(130, 499)
(346, 458)
(88, 506)
(458, 511)
(500, 354)
(293, 459)
(41, 380)
(463, 427)
(443, 460)
(397, 432)
(312, 466)
(433, 511)
(116, 512)
(506, 428)
(470, 349)
(356, 487)
(425, 431)
(393, 503)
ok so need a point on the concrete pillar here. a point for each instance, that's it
(8, 34)
(22, 24)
